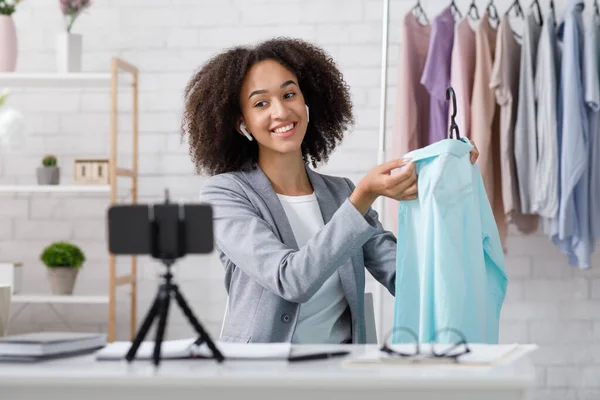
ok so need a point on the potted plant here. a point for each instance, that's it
(69, 45)
(63, 260)
(49, 172)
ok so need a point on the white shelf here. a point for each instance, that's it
(56, 299)
(68, 80)
(54, 188)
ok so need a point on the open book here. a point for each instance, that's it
(186, 348)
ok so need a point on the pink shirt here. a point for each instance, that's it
(411, 119)
(485, 121)
(462, 73)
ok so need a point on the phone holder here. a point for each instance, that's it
(167, 290)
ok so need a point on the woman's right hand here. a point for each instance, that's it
(379, 181)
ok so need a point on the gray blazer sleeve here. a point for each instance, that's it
(380, 251)
(250, 243)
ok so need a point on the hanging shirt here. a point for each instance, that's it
(411, 116)
(321, 318)
(436, 74)
(485, 120)
(525, 153)
(592, 100)
(505, 82)
(450, 269)
(545, 193)
(572, 230)
(462, 72)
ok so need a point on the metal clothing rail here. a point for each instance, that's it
(381, 156)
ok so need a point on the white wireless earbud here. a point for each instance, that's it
(307, 115)
(245, 132)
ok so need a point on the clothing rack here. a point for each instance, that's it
(381, 156)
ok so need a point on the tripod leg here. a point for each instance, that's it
(163, 307)
(196, 324)
(143, 329)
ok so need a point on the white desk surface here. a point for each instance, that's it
(84, 377)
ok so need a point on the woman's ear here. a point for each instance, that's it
(244, 131)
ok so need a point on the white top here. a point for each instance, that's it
(319, 320)
(525, 136)
(545, 193)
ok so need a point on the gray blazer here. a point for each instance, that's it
(267, 277)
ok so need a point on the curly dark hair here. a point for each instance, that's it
(212, 104)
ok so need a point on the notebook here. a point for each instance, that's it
(41, 345)
(186, 348)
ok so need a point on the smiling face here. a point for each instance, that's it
(273, 109)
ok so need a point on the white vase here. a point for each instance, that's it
(68, 52)
(11, 274)
(8, 44)
(12, 127)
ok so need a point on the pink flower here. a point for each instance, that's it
(73, 6)
(71, 9)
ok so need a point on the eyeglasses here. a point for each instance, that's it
(452, 352)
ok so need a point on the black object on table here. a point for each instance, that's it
(318, 356)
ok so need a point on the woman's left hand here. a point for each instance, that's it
(474, 152)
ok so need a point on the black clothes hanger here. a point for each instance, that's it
(517, 7)
(492, 11)
(418, 12)
(455, 10)
(473, 9)
(536, 4)
(553, 11)
(453, 127)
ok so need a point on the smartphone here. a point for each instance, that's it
(171, 230)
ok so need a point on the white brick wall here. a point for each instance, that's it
(548, 302)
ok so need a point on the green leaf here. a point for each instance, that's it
(62, 254)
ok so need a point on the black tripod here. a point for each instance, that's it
(173, 239)
(160, 310)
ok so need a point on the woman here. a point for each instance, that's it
(294, 243)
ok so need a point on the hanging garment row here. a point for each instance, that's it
(530, 102)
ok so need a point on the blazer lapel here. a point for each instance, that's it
(259, 181)
(329, 206)
(327, 203)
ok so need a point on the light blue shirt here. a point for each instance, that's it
(449, 266)
(572, 230)
(591, 74)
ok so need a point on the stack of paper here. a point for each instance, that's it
(43, 345)
(185, 348)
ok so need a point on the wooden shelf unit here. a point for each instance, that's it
(56, 299)
(54, 189)
(123, 75)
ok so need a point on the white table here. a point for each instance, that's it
(84, 378)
